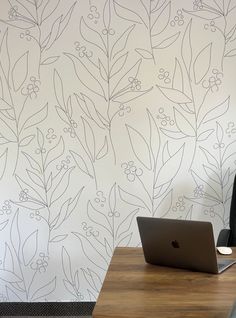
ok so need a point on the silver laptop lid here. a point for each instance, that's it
(178, 243)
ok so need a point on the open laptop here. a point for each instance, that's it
(181, 243)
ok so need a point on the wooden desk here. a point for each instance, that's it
(133, 288)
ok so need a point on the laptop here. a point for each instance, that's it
(181, 243)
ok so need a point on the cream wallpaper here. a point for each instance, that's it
(109, 109)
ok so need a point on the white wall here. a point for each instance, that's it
(108, 110)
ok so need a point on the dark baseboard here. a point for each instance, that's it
(46, 309)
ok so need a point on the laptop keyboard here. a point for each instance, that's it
(223, 263)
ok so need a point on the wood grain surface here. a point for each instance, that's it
(133, 288)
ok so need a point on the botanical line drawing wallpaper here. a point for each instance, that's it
(109, 109)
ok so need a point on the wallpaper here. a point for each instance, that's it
(109, 109)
